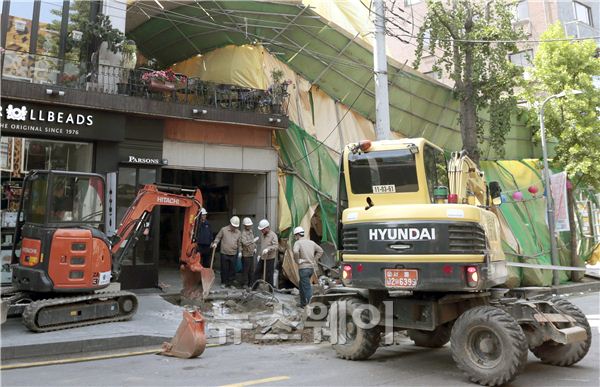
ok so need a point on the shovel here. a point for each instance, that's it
(208, 275)
(262, 285)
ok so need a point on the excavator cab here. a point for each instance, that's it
(59, 241)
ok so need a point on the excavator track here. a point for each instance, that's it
(71, 312)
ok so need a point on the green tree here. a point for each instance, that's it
(563, 65)
(473, 41)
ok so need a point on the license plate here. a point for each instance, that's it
(402, 279)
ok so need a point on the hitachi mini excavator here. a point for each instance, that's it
(62, 255)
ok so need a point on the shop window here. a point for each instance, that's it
(583, 13)
(46, 154)
(7, 148)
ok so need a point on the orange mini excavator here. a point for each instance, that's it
(62, 255)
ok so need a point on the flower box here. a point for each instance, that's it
(161, 86)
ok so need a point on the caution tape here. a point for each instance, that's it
(551, 267)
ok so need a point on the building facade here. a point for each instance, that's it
(68, 103)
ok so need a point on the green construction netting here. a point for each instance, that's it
(309, 175)
(309, 179)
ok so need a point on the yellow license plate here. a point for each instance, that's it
(400, 278)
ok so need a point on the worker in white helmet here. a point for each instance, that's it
(268, 251)
(248, 249)
(230, 239)
(306, 254)
(204, 237)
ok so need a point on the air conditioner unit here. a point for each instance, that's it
(20, 26)
(525, 25)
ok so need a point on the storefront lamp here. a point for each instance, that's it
(273, 119)
(197, 111)
(60, 93)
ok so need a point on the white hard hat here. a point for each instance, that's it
(263, 224)
(203, 212)
(247, 222)
(235, 221)
(299, 230)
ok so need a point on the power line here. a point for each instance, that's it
(321, 143)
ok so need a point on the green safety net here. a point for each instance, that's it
(309, 179)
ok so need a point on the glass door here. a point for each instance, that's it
(140, 266)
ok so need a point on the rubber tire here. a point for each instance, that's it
(366, 341)
(565, 355)
(431, 339)
(513, 345)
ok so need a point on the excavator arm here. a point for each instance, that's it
(466, 178)
(137, 217)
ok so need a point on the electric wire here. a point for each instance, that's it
(321, 143)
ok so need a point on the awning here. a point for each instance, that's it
(339, 62)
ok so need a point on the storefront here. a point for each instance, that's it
(40, 136)
(234, 165)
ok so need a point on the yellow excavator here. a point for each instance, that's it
(420, 250)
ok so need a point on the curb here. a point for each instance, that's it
(81, 346)
(586, 286)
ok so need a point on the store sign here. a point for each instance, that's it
(44, 121)
(145, 160)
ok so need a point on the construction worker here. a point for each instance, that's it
(230, 238)
(248, 249)
(204, 238)
(306, 254)
(268, 251)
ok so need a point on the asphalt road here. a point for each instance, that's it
(304, 365)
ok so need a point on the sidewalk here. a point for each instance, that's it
(156, 321)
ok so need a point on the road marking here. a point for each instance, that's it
(594, 321)
(83, 359)
(258, 381)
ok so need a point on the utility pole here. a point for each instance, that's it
(382, 103)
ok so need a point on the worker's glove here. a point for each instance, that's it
(255, 240)
(265, 252)
(254, 251)
(213, 245)
(239, 255)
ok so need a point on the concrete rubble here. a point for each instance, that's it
(236, 316)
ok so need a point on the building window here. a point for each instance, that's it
(408, 3)
(583, 13)
(522, 11)
(18, 34)
(522, 58)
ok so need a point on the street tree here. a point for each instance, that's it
(574, 121)
(472, 41)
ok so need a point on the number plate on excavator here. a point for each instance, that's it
(399, 278)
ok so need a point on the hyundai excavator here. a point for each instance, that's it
(62, 256)
(419, 244)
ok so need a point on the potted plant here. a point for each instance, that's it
(278, 90)
(128, 61)
(163, 80)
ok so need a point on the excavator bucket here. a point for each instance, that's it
(189, 340)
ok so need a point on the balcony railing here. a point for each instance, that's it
(108, 79)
